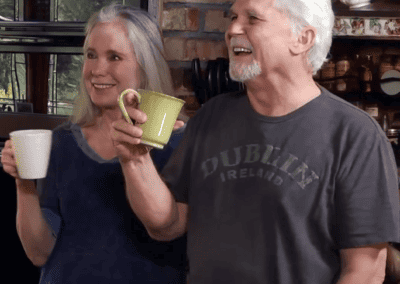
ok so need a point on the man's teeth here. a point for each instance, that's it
(102, 86)
(241, 49)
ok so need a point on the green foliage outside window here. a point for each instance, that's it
(12, 83)
(65, 69)
(7, 9)
(78, 10)
(6, 92)
(68, 73)
(5, 73)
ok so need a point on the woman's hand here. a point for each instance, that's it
(8, 160)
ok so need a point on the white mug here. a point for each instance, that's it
(32, 152)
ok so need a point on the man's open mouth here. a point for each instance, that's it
(241, 51)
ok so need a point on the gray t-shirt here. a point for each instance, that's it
(274, 199)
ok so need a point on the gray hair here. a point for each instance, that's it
(317, 13)
(146, 39)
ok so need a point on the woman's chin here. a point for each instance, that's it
(105, 104)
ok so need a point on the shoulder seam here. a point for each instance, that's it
(360, 111)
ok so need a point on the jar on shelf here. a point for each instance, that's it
(385, 123)
(366, 66)
(328, 75)
(393, 136)
(386, 64)
(342, 69)
(353, 82)
(396, 63)
(373, 109)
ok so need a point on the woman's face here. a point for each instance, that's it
(110, 64)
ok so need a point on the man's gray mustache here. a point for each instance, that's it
(240, 42)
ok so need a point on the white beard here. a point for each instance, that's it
(242, 72)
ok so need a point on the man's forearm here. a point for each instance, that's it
(360, 278)
(363, 264)
(149, 197)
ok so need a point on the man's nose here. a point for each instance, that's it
(234, 28)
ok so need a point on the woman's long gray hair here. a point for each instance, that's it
(146, 39)
(317, 13)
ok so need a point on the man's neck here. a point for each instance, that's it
(280, 96)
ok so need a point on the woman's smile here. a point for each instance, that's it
(103, 86)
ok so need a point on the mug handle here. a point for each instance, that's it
(122, 106)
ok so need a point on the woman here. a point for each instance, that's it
(78, 224)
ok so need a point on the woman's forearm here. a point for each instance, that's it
(152, 201)
(35, 235)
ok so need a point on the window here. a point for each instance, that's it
(80, 11)
(64, 76)
(12, 80)
(59, 41)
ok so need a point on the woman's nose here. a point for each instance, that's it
(99, 67)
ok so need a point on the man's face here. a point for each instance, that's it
(258, 39)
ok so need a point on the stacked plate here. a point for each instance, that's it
(355, 4)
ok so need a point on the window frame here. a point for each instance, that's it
(30, 37)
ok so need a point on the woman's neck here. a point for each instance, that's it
(105, 119)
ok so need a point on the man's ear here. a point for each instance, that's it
(305, 41)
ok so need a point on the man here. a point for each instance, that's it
(285, 183)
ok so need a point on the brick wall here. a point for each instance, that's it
(193, 29)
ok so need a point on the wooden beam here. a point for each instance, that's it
(155, 9)
(37, 64)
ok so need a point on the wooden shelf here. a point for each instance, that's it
(378, 21)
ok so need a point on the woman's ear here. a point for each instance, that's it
(305, 41)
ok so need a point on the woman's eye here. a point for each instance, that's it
(233, 18)
(90, 55)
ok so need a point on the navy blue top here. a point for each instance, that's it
(99, 238)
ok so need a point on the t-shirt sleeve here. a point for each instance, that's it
(47, 189)
(176, 173)
(366, 193)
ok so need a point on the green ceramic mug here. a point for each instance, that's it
(161, 110)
